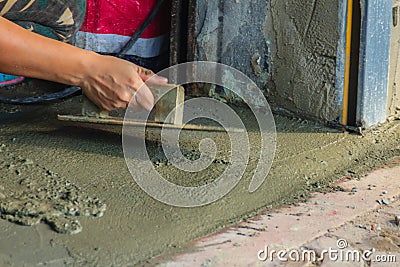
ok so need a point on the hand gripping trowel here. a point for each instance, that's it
(170, 102)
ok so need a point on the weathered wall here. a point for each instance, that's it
(233, 32)
(287, 47)
(305, 37)
(394, 77)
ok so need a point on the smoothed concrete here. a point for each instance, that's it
(352, 214)
(136, 227)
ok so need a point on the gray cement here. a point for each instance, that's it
(394, 92)
(136, 227)
(305, 39)
(288, 48)
(30, 194)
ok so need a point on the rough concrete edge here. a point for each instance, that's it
(247, 228)
(357, 171)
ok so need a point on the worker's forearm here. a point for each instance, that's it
(107, 81)
(28, 54)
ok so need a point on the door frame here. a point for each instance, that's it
(369, 107)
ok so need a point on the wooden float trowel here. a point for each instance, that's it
(170, 102)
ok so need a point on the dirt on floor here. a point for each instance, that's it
(67, 175)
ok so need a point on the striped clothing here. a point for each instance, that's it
(56, 19)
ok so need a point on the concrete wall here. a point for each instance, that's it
(394, 77)
(305, 38)
(234, 32)
(287, 47)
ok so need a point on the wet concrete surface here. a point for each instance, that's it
(356, 221)
(135, 227)
(31, 194)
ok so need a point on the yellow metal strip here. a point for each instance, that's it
(349, 25)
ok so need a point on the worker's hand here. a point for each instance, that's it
(112, 82)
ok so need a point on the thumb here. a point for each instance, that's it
(151, 77)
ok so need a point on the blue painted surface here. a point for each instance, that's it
(374, 62)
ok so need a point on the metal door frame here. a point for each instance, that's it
(373, 71)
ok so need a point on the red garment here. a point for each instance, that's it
(123, 17)
(109, 23)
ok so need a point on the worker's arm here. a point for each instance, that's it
(105, 80)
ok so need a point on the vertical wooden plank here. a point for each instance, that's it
(168, 102)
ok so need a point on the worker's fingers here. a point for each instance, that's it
(97, 101)
(145, 73)
(157, 80)
(125, 96)
(134, 104)
(143, 96)
(151, 77)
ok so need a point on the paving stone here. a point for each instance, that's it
(354, 216)
(340, 250)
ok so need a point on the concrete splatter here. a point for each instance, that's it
(30, 194)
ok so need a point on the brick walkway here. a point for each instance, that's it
(360, 220)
